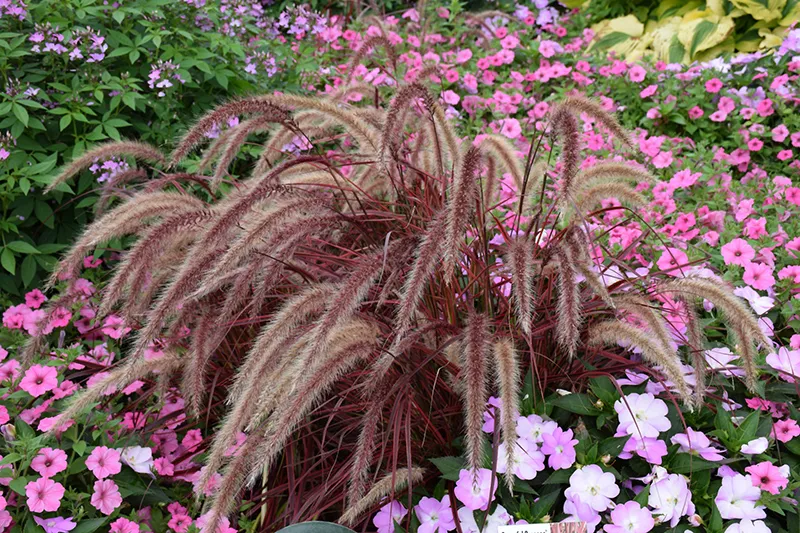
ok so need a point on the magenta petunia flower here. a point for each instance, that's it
(785, 430)
(39, 380)
(713, 85)
(768, 477)
(630, 517)
(44, 494)
(49, 462)
(758, 276)
(106, 496)
(104, 462)
(560, 447)
(673, 261)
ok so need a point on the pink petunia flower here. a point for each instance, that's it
(49, 462)
(179, 523)
(35, 298)
(737, 252)
(123, 525)
(673, 261)
(785, 430)
(39, 380)
(106, 496)
(768, 477)
(104, 462)
(758, 276)
(713, 85)
(44, 494)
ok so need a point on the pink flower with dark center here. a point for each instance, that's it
(737, 252)
(785, 430)
(758, 276)
(104, 462)
(768, 477)
(713, 85)
(754, 145)
(180, 523)
(49, 462)
(44, 495)
(780, 133)
(123, 525)
(695, 113)
(637, 73)
(106, 496)
(673, 261)
(39, 380)
(511, 128)
(35, 299)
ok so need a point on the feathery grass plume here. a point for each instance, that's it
(614, 171)
(501, 149)
(122, 376)
(390, 484)
(508, 383)
(461, 199)
(208, 332)
(352, 346)
(234, 143)
(428, 253)
(311, 123)
(696, 344)
(580, 247)
(646, 311)
(590, 196)
(565, 126)
(262, 228)
(520, 262)
(138, 150)
(578, 105)
(215, 148)
(741, 320)
(128, 218)
(364, 49)
(142, 256)
(614, 331)
(568, 305)
(474, 356)
(220, 115)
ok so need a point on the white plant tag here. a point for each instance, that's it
(569, 527)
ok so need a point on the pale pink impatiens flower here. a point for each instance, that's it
(390, 513)
(559, 446)
(737, 498)
(786, 362)
(104, 462)
(473, 488)
(755, 446)
(768, 477)
(641, 415)
(49, 462)
(696, 443)
(592, 486)
(670, 497)
(55, 524)
(435, 515)
(749, 526)
(44, 494)
(630, 517)
(106, 496)
(528, 459)
(39, 380)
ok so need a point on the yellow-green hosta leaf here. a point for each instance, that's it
(771, 38)
(761, 9)
(791, 13)
(673, 8)
(698, 34)
(726, 46)
(666, 45)
(572, 4)
(723, 8)
(628, 25)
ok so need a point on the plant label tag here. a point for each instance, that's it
(569, 527)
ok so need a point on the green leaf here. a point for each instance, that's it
(613, 446)
(604, 389)
(8, 260)
(22, 247)
(65, 121)
(28, 270)
(559, 477)
(18, 485)
(119, 16)
(643, 496)
(577, 403)
(748, 428)
(10, 458)
(676, 50)
(543, 505)
(21, 113)
(612, 39)
(87, 526)
(685, 463)
(79, 447)
(450, 467)
(703, 30)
